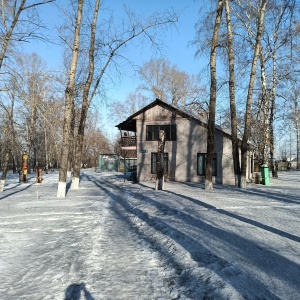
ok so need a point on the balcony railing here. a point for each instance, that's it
(128, 142)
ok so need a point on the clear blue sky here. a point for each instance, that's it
(176, 40)
(176, 48)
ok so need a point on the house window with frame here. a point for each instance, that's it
(201, 164)
(152, 132)
(154, 162)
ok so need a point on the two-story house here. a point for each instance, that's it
(185, 146)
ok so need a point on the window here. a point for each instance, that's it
(152, 132)
(154, 162)
(201, 164)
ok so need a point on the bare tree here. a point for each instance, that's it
(11, 12)
(85, 101)
(296, 120)
(69, 105)
(247, 128)
(10, 125)
(264, 110)
(31, 89)
(8, 138)
(95, 142)
(213, 98)
(291, 116)
(234, 129)
(120, 110)
(167, 83)
(155, 76)
(22, 100)
(135, 29)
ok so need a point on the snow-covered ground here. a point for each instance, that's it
(113, 239)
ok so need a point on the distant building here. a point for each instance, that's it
(185, 147)
(115, 163)
(108, 163)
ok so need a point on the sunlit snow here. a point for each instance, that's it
(114, 239)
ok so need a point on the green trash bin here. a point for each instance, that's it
(265, 175)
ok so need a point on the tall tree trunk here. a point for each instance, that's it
(264, 110)
(213, 99)
(71, 155)
(235, 141)
(297, 126)
(79, 141)
(272, 116)
(159, 183)
(31, 136)
(9, 138)
(69, 105)
(46, 151)
(85, 102)
(5, 169)
(247, 129)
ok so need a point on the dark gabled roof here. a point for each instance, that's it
(130, 124)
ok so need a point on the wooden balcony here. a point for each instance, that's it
(128, 142)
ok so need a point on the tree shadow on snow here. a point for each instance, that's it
(240, 218)
(68, 185)
(199, 251)
(273, 193)
(75, 291)
(28, 185)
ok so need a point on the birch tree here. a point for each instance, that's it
(13, 17)
(213, 98)
(8, 137)
(247, 120)
(69, 105)
(85, 100)
(113, 46)
(234, 129)
(167, 83)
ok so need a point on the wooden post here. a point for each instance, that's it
(25, 166)
(159, 184)
(39, 175)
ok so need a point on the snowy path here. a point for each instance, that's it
(116, 240)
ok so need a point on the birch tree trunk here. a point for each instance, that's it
(213, 99)
(159, 183)
(235, 143)
(247, 129)
(9, 135)
(85, 103)
(71, 145)
(264, 111)
(5, 169)
(69, 105)
(297, 126)
(272, 117)
(46, 151)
